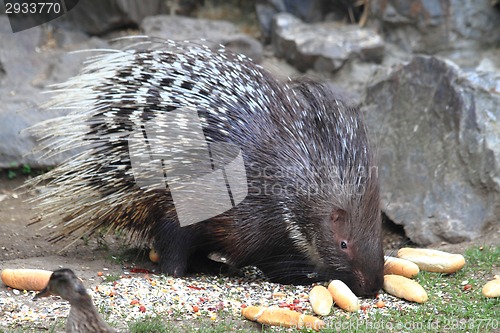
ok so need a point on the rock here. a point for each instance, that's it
(437, 136)
(325, 47)
(486, 65)
(96, 17)
(432, 26)
(214, 31)
(307, 11)
(30, 61)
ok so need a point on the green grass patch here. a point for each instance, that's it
(200, 325)
(150, 324)
(112, 277)
(14, 171)
(56, 326)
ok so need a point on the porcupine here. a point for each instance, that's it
(312, 211)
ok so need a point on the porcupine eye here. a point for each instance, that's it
(343, 245)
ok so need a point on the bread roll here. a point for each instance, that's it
(433, 260)
(321, 300)
(403, 287)
(400, 266)
(492, 288)
(343, 297)
(26, 279)
(275, 316)
(154, 256)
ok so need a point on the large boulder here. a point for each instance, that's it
(325, 46)
(436, 129)
(432, 26)
(30, 61)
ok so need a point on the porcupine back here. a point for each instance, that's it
(312, 209)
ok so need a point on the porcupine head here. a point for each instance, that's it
(298, 136)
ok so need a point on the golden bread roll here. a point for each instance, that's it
(492, 288)
(433, 260)
(26, 279)
(403, 287)
(321, 300)
(400, 266)
(343, 297)
(275, 316)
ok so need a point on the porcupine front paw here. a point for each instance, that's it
(174, 249)
(201, 263)
(173, 261)
(177, 262)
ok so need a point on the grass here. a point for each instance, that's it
(112, 277)
(14, 170)
(201, 325)
(56, 326)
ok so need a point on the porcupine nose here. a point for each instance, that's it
(375, 287)
(366, 285)
(371, 285)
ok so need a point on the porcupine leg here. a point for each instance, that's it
(177, 259)
(201, 263)
(173, 255)
(182, 250)
(173, 244)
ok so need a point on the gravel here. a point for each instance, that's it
(137, 295)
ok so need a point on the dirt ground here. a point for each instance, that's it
(23, 246)
(26, 246)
